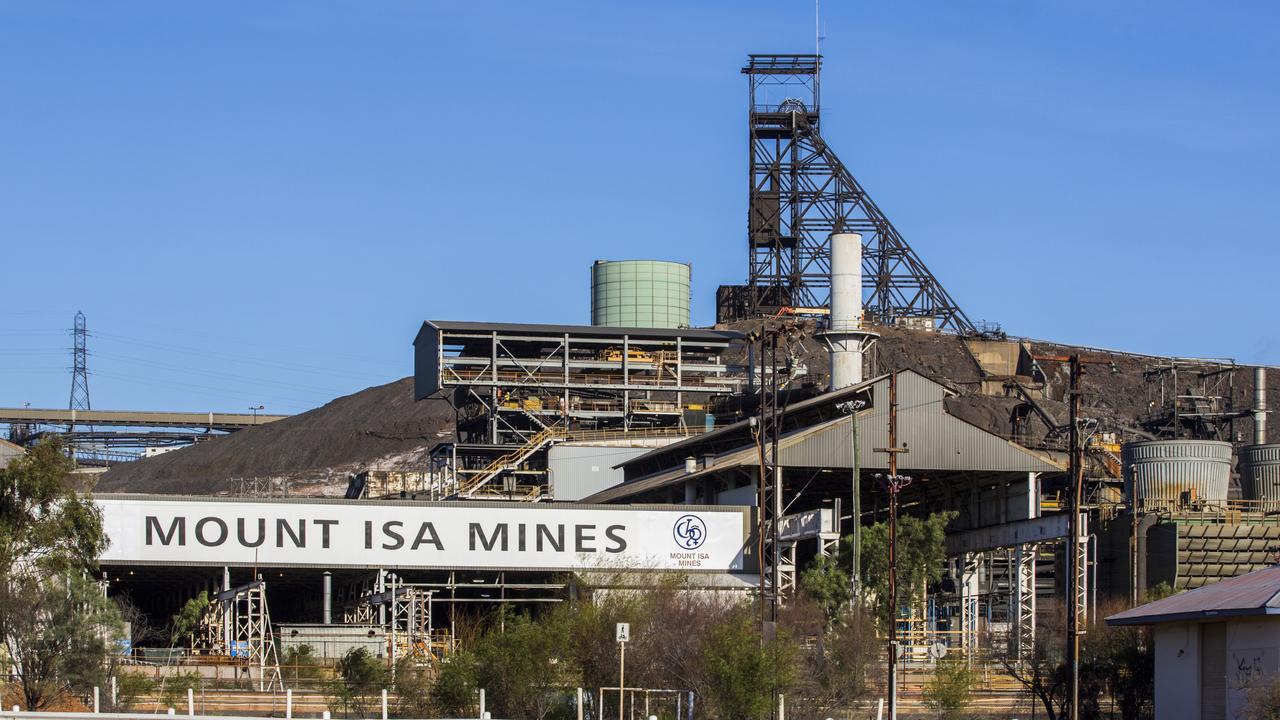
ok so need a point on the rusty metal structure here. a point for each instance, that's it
(800, 193)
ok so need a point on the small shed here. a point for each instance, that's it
(1212, 644)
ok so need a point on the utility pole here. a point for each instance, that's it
(1076, 451)
(855, 491)
(895, 482)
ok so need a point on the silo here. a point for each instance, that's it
(1260, 473)
(640, 293)
(1162, 470)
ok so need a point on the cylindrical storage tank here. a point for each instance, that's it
(1260, 473)
(1162, 470)
(640, 293)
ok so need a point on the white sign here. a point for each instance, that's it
(624, 632)
(368, 534)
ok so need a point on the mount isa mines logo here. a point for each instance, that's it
(689, 532)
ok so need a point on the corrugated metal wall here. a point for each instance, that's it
(581, 470)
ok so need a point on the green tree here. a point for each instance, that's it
(59, 634)
(56, 626)
(950, 688)
(921, 554)
(517, 666)
(186, 621)
(827, 583)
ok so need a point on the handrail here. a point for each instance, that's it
(495, 467)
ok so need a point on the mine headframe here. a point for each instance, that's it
(800, 193)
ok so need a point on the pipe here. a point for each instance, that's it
(1143, 524)
(1259, 406)
(328, 597)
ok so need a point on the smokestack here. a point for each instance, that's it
(1259, 406)
(844, 335)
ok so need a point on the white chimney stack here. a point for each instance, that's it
(845, 336)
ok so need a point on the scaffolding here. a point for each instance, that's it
(404, 611)
(237, 624)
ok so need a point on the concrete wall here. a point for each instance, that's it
(1178, 671)
(1252, 654)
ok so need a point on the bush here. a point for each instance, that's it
(131, 688)
(454, 692)
(742, 675)
(173, 689)
(950, 689)
(300, 662)
(518, 666)
(360, 677)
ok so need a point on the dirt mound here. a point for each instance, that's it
(380, 428)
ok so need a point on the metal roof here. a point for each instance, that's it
(936, 440)
(746, 455)
(583, 330)
(795, 410)
(1257, 593)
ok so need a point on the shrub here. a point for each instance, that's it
(950, 689)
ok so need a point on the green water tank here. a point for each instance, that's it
(640, 293)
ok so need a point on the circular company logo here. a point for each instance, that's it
(690, 532)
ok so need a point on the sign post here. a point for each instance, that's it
(623, 634)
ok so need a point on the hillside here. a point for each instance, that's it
(377, 428)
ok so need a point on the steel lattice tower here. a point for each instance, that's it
(800, 193)
(79, 367)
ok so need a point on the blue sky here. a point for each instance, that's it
(260, 202)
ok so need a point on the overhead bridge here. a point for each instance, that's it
(136, 418)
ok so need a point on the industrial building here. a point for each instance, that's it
(799, 417)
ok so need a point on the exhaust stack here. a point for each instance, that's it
(1259, 406)
(845, 337)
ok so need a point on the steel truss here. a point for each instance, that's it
(237, 624)
(404, 611)
(800, 193)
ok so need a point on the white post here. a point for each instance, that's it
(324, 715)
(113, 692)
(622, 668)
(782, 707)
(288, 703)
(191, 702)
(482, 702)
(384, 704)
(879, 708)
(580, 704)
(172, 712)
(96, 708)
